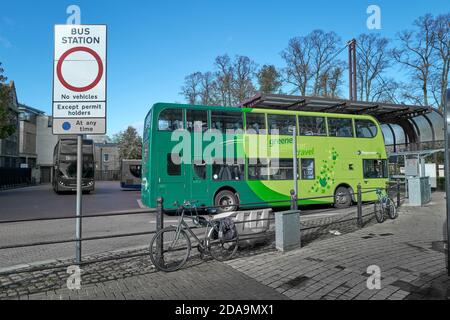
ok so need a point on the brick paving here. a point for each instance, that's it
(409, 251)
(136, 278)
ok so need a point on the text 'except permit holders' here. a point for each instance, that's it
(79, 110)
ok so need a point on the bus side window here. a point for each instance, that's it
(281, 124)
(228, 169)
(257, 169)
(281, 169)
(223, 120)
(365, 129)
(170, 120)
(197, 120)
(200, 169)
(256, 123)
(173, 164)
(375, 169)
(308, 170)
(340, 127)
(312, 126)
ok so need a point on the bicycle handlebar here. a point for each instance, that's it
(186, 203)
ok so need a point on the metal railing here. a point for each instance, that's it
(160, 213)
(13, 177)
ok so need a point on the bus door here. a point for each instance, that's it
(200, 184)
(171, 177)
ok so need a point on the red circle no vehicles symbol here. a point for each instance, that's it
(64, 57)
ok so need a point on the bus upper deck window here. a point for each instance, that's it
(365, 129)
(281, 124)
(197, 120)
(256, 123)
(312, 126)
(223, 121)
(340, 127)
(170, 120)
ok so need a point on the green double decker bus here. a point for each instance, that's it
(335, 153)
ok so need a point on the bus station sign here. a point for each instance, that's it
(79, 79)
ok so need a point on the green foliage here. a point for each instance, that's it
(130, 144)
(269, 79)
(7, 128)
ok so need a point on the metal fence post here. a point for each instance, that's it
(294, 203)
(398, 193)
(159, 226)
(359, 194)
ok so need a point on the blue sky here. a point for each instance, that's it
(153, 45)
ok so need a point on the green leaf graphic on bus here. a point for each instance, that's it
(327, 172)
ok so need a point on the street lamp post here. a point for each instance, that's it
(447, 172)
(295, 164)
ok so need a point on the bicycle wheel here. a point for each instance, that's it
(391, 209)
(176, 248)
(379, 212)
(221, 249)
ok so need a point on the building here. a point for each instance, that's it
(9, 147)
(28, 135)
(45, 145)
(36, 143)
(107, 161)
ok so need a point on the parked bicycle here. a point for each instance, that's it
(170, 247)
(384, 206)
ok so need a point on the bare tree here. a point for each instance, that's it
(324, 48)
(269, 79)
(298, 56)
(309, 59)
(372, 61)
(387, 91)
(208, 88)
(244, 70)
(442, 52)
(191, 88)
(416, 54)
(331, 80)
(224, 78)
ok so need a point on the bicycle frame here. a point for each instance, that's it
(182, 225)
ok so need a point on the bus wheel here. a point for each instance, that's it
(226, 201)
(342, 198)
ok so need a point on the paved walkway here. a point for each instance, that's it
(409, 252)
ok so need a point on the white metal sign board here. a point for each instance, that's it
(79, 79)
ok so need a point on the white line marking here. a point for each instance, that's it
(140, 204)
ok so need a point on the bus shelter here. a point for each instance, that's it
(407, 129)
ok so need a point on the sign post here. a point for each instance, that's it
(79, 92)
(79, 194)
